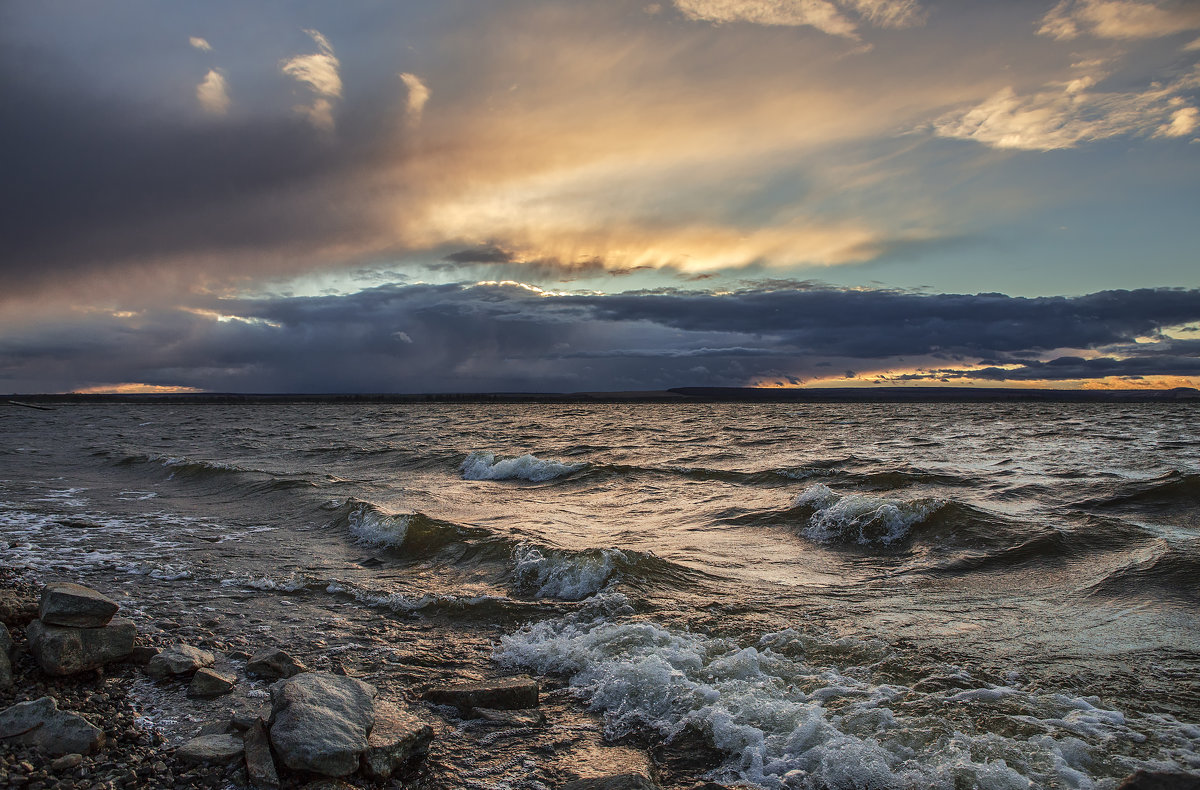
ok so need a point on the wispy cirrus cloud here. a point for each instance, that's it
(1067, 114)
(1119, 19)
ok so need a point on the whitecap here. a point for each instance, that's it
(858, 518)
(485, 466)
(567, 576)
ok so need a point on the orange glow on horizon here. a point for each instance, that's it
(134, 388)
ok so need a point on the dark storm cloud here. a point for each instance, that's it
(510, 338)
(92, 181)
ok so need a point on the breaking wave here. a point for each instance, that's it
(485, 466)
(834, 518)
(568, 576)
(372, 525)
(788, 723)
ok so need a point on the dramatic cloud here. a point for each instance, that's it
(823, 15)
(585, 142)
(200, 44)
(1119, 19)
(319, 71)
(1066, 114)
(506, 336)
(212, 93)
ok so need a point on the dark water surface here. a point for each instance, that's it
(843, 596)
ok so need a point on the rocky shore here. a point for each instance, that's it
(75, 677)
(69, 665)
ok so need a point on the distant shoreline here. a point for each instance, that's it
(691, 395)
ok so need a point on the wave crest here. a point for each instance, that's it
(568, 576)
(856, 518)
(485, 466)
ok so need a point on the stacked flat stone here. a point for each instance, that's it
(76, 632)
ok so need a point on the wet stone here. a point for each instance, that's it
(142, 654)
(68, 650)
(41, 724)
(511, 693)
(66, 763)
(320, 722)
(75, 605)
(210, 683)
(178, 660)
(220, 749)
(260, 765)
(273, 663)
(399, 735)
(529, 717)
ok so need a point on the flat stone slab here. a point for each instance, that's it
(178, 660)
(273, 663)
(75, 605)
(399, 735)
(39, 723)
(320, 722)
(217, 749)
(511, 693)
(210, 683)
(528, 717)
(67, 650)
(615, 782)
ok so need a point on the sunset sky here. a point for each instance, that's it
(565, 196)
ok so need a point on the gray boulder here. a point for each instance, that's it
(75, 605)
(320, 722)
(273, 663)
(260, 765)
(42, 725)
(210, 683)
(6, 642)
(511, 693)
(66, 650)
(399, 735)
(178, 660)
(219, 749)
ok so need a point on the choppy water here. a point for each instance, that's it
(840, 596)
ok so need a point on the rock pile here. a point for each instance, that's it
(320, 723)
(75, 631)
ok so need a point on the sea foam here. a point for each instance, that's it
(857, 518)
(789, 724)
(485, 466)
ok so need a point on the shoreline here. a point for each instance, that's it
(146, 720)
